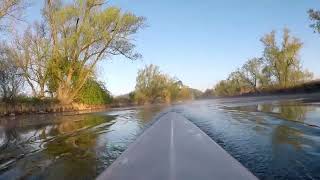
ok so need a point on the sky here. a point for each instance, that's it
(201, 42)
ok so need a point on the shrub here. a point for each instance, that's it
(94, 93)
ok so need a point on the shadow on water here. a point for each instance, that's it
(67, 147)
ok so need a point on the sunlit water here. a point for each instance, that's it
(274, 138)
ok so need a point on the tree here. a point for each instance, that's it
(173, 89)
(251, 73)
(94, 93)
(283, 62)
(208, 93)
(242, 80)
(32, 54)
(185, 93)
(153, 86)
(232, 86)
(222, 88)
(150, 84)
(10, 78)
(82, 34)
(314, 16)
(10, 9)
(236, 83)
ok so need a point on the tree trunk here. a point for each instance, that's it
(41, 92)
(64, 95)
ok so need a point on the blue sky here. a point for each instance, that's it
(201, 42)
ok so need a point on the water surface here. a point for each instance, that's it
(274, 137)
(68, 147)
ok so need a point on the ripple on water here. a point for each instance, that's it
(274, 139)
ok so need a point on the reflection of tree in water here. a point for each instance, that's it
(258, 123)
(73, 149)
(288, 111)
(146, 113)
(8, 136)
(287, 138)
(69, 146)
(286, 141)
(265, 107)
(12, 140)
(74, 136)
(293, 112)
(284, 134)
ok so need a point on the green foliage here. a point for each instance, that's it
(150, 84)
(83, 33)
(153, 86)
(282, 61)
(94, 93)
(33, 100)
(251, 73)
(314, 16)
(58, 55)
(279, 67)
(227, 88)
(184, 93)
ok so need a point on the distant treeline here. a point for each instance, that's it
(154, 86)
(279, 69)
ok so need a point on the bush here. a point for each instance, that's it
(33, 100)
(94, 93)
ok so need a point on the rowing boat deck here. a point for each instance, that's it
(175, 149)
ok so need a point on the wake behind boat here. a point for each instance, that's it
(175, 149)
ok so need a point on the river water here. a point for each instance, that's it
(274, 137)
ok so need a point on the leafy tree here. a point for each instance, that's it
(222, 88)
(251, 73)
(232, 86)
(280, 67)
(150, 84)
(173, 89)
(94, 93)
(236, 80)
(83, 33)
(283, 61)
(314, 16)
(154, 86)
(185, 93)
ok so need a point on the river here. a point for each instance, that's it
(274, 137)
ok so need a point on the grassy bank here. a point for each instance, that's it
(10, 109)
(304, 88)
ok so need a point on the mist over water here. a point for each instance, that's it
(275, 138)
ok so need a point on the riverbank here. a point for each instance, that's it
(312, 87)
(311, 90)
(308, 87)
(12, 109)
